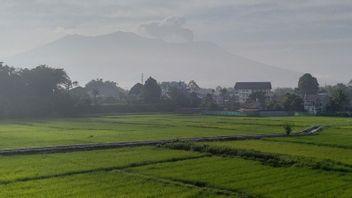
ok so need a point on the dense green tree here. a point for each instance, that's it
(166, 86)
(37, 91)
(179, 97)
(292, 102)
(308, 85)
(338, 101)
(179, 94)
(136, 93)
(12, 88)
(151, 91)
(43, 85)
(340, 97)
(104, 89)
(279, 95)
(80, 97)
(209, 102)
(195, 101)
(183, 98)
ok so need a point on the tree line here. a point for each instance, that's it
(39, 91)
(43, 91)
(338, 97)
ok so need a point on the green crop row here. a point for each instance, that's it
(319, 153)
(266, 158)
(41, 166)
(254, 179)
(101, 184)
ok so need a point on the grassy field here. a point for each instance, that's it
(292, 149)
(128, 128)
(310, 166)
(334, 143)
(339, 137)
(22, 167)
(91, 174)
(254, 179)
(113, 184)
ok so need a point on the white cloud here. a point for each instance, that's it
(170, 29)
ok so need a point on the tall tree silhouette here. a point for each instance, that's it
(308, 84)
(151, 91)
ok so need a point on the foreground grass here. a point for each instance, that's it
(39, 166)
(158, 172)
(247, 169)
(253, 178)
(112, 184)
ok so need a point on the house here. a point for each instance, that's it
(192, 87)
(244, 89)
(314, 104)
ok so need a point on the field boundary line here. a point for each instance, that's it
(312, 144)
(96, 146)
(190, 184)
(94, 170)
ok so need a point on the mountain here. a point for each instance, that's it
(123, 56)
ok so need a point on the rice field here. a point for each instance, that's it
(316, 152)
(36, 133)
(113, 184)
(330, 136)
(251, 178)
(311, 166)
(22, 167)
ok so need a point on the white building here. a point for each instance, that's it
(244, 89)
(316, 103)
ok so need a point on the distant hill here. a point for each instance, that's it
(123, 56)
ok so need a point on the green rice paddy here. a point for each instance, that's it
(158, 171)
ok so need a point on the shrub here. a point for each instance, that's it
(288, 129)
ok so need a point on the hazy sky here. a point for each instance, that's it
(303, 35)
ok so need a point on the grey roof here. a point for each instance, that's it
(253, 85)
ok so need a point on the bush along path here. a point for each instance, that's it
(269, 159)
(81, 147)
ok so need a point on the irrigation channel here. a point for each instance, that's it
(96, 146)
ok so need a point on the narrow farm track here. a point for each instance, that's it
(82, 147)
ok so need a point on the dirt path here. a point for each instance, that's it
(96, 146)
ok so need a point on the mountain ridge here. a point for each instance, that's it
(123, 56)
